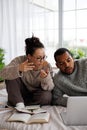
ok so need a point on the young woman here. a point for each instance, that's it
(28, 78)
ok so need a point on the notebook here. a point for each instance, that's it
(76, 111)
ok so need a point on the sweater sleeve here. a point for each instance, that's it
(47, 83)
(57, 98)
(11, 71)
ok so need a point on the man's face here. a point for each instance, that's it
(65, 63)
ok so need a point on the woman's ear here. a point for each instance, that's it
(29, 57)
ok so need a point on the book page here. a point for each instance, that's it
(40, 110)
(40, 118)
(32, 107)
(23, 110)
(24, 117)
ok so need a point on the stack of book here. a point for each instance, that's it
(30, 114)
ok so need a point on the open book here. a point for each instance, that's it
(32, 107)
(30, 110)
(28, 118)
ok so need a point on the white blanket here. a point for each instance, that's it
(55, 122)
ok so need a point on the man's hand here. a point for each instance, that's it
(25, 66)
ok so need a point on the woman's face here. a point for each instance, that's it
(37, 58)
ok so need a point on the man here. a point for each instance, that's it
(71, 79)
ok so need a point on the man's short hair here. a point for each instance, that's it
(61, 51)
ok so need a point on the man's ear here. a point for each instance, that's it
(57, 65)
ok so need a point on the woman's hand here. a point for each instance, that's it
(25, 66)
(44, 73)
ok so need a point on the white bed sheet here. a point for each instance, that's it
(55, 122)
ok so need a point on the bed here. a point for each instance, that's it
(55, 122)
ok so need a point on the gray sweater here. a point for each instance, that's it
(30, 78)
(74, 84)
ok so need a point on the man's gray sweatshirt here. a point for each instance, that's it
(74, 84)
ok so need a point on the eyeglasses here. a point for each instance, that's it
(39, 59)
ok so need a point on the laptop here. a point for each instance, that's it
(76, 111)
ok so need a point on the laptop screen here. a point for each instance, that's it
(76, 111)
